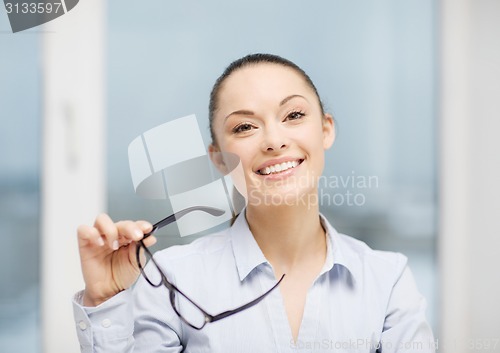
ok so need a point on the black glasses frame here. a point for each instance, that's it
(172, 288)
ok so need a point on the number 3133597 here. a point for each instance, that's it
(483, 344)
(34, 7)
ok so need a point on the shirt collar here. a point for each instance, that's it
(339, 252)
(248, 254)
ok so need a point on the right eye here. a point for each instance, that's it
(243, 127)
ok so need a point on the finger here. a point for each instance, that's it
(142, 258)
(129, 231)
(107, 228)
(88, 234)
(145, 226)
(149, 241)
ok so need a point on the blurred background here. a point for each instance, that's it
(413, 85)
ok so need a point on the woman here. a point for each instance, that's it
(337, 295)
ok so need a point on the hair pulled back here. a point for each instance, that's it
(250, 60)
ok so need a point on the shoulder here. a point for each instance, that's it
(375, 274)
(365, 263)
(207, 245)
(200, 258)
(198, 265)
(378, 259)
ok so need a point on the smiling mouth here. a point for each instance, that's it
(280, 167)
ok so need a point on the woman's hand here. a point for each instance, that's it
(108, 256)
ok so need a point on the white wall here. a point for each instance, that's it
(470, 176)
(73, 175)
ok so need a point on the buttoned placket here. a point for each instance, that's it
(278, 319)
(309, 326)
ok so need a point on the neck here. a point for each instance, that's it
(289, 236)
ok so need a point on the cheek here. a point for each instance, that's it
(314, 147)
(240, 148)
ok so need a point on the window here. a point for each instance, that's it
(374, 66)
(19, 190)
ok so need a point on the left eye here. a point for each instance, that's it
(295, 115)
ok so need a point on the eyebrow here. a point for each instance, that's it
(284, 101)
(249, 112)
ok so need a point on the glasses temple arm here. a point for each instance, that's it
(246, 306)
(177, 215)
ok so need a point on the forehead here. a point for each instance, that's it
(264, 81)
(263, 70)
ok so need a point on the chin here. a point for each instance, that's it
(295, 197)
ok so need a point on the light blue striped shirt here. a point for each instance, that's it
(362, 301)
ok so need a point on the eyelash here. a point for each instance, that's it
(237, 128)
(293, 115)
(300, 114)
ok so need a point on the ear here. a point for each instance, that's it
(328, 131)
(216, 158)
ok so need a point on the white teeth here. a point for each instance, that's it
(279, 167)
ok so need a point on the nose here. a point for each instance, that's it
(274, 139)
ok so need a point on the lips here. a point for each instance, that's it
(278, 166)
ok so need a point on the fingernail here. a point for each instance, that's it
(116, 245)
(100, 241)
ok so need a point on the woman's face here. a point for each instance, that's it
(271, 118)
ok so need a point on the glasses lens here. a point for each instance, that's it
(186, 310)
(148, 267)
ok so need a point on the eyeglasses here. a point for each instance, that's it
(187, 310)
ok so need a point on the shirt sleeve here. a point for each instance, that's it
(137, 320)
(108, 327)
(406, 328)
(157, 327)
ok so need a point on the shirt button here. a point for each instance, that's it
(106, 323)
(82, 325)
